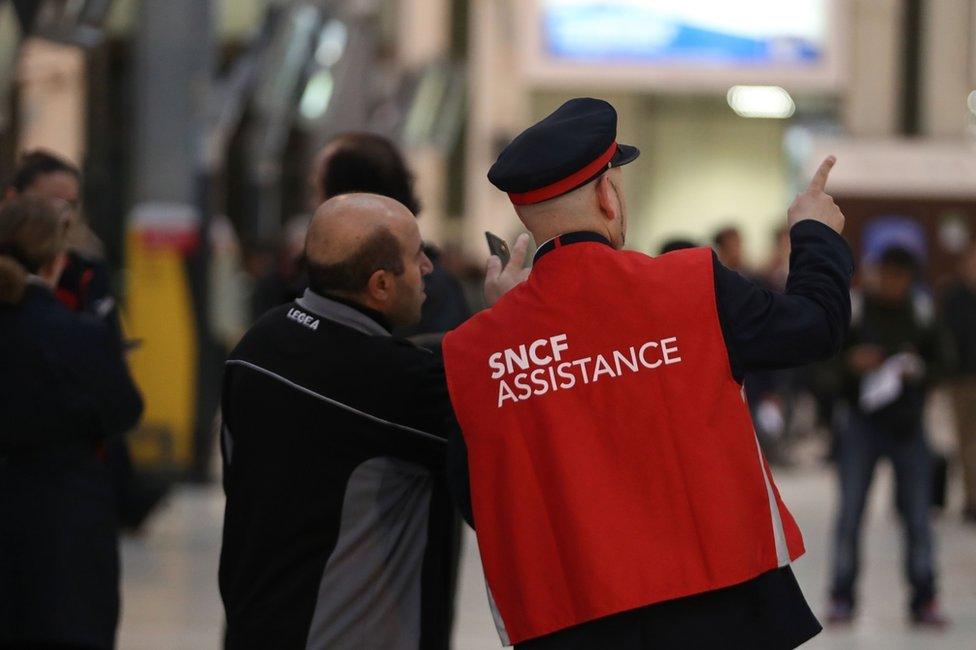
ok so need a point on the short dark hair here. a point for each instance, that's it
(380, 251)
(898, 257)
(37, 163)
(366, 162)
(676, 245)
(723, 234)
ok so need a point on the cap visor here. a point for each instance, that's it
(625, 154)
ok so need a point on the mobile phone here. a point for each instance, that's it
(497, 246)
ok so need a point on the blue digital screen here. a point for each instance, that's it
(695, 32)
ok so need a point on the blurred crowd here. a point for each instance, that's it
(68, 400)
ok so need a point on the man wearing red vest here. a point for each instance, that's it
(608, 460)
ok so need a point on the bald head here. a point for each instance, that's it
(344, 223)
(367, 248)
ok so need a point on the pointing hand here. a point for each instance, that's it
(814, 203)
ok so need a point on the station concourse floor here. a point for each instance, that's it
(170, 598)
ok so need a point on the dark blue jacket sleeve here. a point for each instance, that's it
(103, 378)
(766, 330)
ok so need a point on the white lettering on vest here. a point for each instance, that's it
(666, 351)
(495, 363)
(519, 358)
(546, 372)
(630, 362)
(538, 378)
(644, 362)
(563, 370)
(601, 367)
(582, 364)
(504, 393)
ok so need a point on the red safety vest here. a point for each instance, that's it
(613, 463)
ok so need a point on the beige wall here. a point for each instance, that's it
(701, 167)
(871, 107)
(948, 75)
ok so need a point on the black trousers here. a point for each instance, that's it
(766, 613)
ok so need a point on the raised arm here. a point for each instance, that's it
(767, 330)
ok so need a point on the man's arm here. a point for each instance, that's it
(427, 405)
(766, 330)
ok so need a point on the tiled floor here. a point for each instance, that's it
(171, 600)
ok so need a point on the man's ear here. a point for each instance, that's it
(606, 198)
(378, 286)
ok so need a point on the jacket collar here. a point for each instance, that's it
(343, 314)
(569, 238)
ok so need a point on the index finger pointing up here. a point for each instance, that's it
(819, 181)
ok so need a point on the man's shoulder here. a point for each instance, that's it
(297, 335)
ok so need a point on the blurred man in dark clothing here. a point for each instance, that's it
(64, 389)
(959, 326)
(365, 162)
(888, 356)
(728, 246)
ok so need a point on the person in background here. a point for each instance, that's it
(771, 392)
(228, 284)
(366, 162)
(889, 359)
(676, 244)
(283, 279)
(86, 282)
(958, 319)
(370, 163)
(85, 286)
(338, 528)
(728, 247)
(777, 268)
(64, 390)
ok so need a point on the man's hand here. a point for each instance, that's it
(498, 280)
(813, 203)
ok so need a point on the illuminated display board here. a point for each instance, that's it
(694, 43)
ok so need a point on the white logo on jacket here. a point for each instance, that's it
(537, 368)
(302, 318)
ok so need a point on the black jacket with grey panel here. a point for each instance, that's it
(338, 531)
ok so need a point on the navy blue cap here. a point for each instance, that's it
(570, 147)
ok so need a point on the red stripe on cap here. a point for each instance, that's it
(569, 183)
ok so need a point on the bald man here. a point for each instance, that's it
(337, 530)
